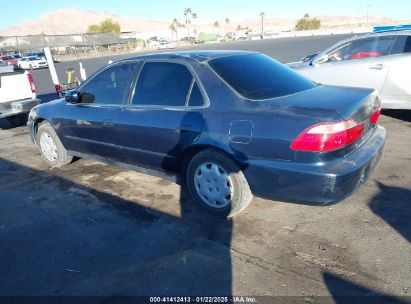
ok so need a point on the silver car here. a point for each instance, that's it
(379, 60)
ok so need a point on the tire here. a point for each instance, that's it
(211, 174)
(55, 155)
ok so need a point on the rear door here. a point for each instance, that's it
(89, 127)
(359, 63)
(164, 116)
(396, 92)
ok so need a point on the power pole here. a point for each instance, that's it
(262, 14)
(367, 9)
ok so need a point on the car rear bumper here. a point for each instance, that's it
(324, 183)
(16, 107)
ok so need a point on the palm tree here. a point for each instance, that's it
(262, 15)
(174, 27)
(195, 17)
(188, 13)
(227, 22)
(173, 30)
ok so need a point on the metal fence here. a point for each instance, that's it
(38, 42)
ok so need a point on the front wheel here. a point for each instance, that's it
(51, 148)
(217, 183)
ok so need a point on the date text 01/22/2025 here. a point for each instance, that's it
(182, 299)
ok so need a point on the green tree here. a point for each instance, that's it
(216, 24)
(307, 23)
(105, 26)
(93, 28)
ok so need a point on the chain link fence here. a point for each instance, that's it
(69, 45)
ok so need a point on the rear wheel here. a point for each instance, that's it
(51, 148)
(217, 183)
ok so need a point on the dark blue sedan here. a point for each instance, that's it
(229, 123)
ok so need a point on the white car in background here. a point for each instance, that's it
(31, 63)
(379, 60)
(165, 45)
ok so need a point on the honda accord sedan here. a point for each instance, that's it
(229, 124)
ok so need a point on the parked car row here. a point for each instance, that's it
(29, 62)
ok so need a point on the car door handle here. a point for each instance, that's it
(183, 129)
(377, 67)
(108, 123)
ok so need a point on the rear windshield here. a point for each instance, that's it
(257, 76)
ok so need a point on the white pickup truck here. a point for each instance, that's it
(17, 91)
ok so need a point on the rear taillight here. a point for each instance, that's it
(328, 136)
(375, 116)
(31, 81)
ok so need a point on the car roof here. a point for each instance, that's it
(200, 56)
(377, 34)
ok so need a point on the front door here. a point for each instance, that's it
(164, 117)
(89, 127)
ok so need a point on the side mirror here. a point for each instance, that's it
(86, 97)
(308, 57)
(72, 96)
(319, 59)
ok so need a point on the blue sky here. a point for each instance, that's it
(210, 10)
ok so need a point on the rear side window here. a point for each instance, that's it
(196, 98)
(164, 84)
(256, 76)
(111, 86)
(407, 48)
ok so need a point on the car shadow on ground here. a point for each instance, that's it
(404, 115)
(60, 237)
(393, 205)
(344, 291)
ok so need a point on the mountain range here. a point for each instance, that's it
(74, 21)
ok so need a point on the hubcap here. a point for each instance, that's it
(214, 185)
(48, 147)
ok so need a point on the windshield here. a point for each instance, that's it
(257, 76)
(33, 58)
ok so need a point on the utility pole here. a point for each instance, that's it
(262, 14)
(367, 9)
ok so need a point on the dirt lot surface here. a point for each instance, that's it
(94, 229)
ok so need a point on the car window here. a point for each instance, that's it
(363, 48)
(257, 76)
(110, 86)
(196, 98)
(162, 83)
(407, 47)
(402, 45)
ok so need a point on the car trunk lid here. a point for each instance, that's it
(328, 104)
